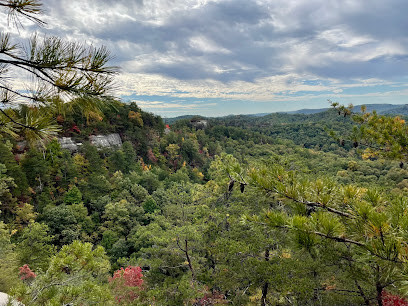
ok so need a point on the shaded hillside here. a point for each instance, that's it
(309, 131)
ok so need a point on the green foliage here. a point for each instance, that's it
(73, 196)
(62, 223)
(271, 223)
(78, 273)
(6, 183)
(8, 260)
(12, 169)
(35, 247)
(150, 205)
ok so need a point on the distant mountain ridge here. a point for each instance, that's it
(382, 109)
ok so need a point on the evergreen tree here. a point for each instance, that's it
(13, 169)
(35, 246)
(57, 68)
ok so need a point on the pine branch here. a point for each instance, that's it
(311, 204)
(16, 122)
(343, 240)
(25, 8)
(18, 94)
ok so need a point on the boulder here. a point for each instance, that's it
(4, 300)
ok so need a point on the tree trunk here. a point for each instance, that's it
(264, 294)
(190, 265)
(378, 286)
(266, 284)
(379, 294)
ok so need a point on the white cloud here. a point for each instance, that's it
(201, 43)
(256, 50)
(159, 105)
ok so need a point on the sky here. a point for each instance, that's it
(223, 57)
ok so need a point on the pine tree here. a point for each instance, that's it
(56, 68)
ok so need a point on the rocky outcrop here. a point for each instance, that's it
(4, 300)
(106, 141)
(68, 144)
(100, 141)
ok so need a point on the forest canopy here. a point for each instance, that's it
(217, 215)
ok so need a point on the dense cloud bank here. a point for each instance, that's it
(186, 45)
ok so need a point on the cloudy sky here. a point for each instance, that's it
(243, 56)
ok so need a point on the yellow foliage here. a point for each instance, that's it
(197, 173)
(369, 153)
(144, 166)
(286, 255)
(342, 173)
(132, 115)
(95, 116)
(81, 163)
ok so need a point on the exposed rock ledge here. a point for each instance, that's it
(101, 141)
(4, 300)
(106, 141)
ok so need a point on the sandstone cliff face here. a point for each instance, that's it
(101, 141)
(106, 141)
(68, 144)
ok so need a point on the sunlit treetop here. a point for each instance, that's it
(377, 135)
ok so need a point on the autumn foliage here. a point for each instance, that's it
(127, 282)
(26, 274)
(393, 300)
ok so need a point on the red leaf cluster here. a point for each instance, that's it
(26, 273)
(389, 299)
(132, 276)
(125, 280)
(75, 128)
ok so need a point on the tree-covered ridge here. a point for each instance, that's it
(222, 214)
(308, 130)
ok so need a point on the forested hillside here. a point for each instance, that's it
(244, 210)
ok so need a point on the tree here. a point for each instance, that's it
(62, 224)
(361, 231)
(13, 169)
(377, 135)
(6, 183)
(34, 247)
(58, 68)
(77, 275)
(8, 260)
(127, 283)
(73, 196)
